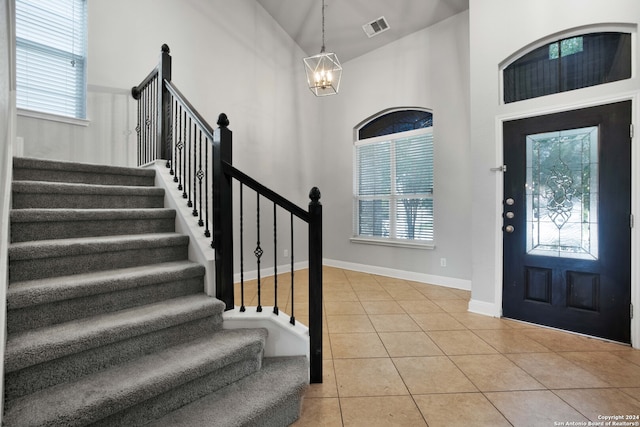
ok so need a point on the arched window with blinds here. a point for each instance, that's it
(393, 180)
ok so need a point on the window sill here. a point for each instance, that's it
(53, 117)
(393, 243)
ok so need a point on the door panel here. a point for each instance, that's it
(567, 236)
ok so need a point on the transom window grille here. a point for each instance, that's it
(393, 197)
(51, 56)
(568, 64)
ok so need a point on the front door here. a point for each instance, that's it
(567, 221)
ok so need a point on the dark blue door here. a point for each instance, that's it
(567, 220)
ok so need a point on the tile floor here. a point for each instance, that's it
(401, 353)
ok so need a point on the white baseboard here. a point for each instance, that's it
(449, 282)
(485, 308)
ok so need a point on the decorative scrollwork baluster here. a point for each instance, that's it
(199, 175)
(207, 232)
(258, 252)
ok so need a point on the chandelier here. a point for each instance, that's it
(323, 70)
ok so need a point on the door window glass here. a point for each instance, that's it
(562, 193)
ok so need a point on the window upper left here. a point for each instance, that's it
(51, 56)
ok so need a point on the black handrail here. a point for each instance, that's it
(170, 128)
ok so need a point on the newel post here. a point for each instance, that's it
(164, 107)
(222, 212)
(315, 285)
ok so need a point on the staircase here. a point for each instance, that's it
(107, 320)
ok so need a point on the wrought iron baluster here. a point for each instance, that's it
(174, 136)
(179, 166)
(195, 156)
(139, 132)
(199, 175)
(169, 141)
(292, 320)
(258, 252)
(207, 232)
(242, 307)
(275, 261)
(187, 158)
(153, 117)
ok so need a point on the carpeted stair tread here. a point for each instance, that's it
(51, 215)
(100, 395)
(44, 194)
(45, 224)
(61, 257)
(50, 170)
(48, 343)
(269, 397)
(41, 291)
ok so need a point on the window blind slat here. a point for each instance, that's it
(50, 56)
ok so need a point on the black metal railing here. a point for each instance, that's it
(170, 128)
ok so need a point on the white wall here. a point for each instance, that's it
(228, 57)
(498, 30)
(427, 69)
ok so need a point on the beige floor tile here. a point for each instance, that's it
(367, 285)
(465, 295)
(328, 387)
(477, 321)
(420, 307)
(357, 277)
(397, 411)
(344, 307)
(607, 366)
(394, 323)
(555, 372)
(437, 374)
(633, 392)
(438, 293)
(326, 346)
(368, 377)
(453, 305)
(594, 402)
(353, 346)
(382, 307)
(406, 294)
(459, 410)
(510, 341)
(406, 344)
(437, 322)
(534, 408)
(349, 323)
(460, 342)
(630, 355)
(320, 412)
(339, 295)
(375, 295)
(494, 372)
(564, 341)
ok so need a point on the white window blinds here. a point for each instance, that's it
(394, 187)
(51, 56)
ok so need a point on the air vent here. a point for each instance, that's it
(376, 27)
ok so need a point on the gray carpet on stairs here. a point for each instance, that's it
(108, 323)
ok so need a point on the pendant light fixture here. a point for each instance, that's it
(323, 70)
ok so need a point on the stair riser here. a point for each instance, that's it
(28, 380)
(179, 396)
(63, 311)
(31, 231)
(81, 177)
(24, 200)
(39, 268)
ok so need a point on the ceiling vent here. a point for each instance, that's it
(376, 27)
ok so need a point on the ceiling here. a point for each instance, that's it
(344, 36)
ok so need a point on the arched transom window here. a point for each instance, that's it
(567, 64)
